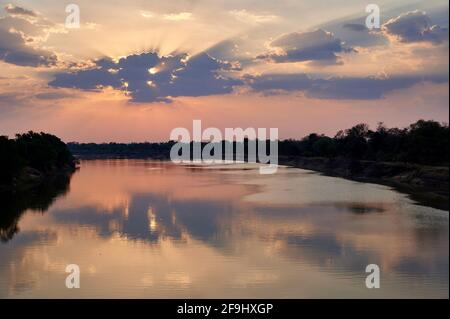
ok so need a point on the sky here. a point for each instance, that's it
(135, 69)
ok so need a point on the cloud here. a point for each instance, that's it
(92, 79)
(174, 17)
(147, 14)
(317, 45)
(355, 34)
(339, 88)
(226, 49)
(148, 77)
(253, 18)
(15, 50)
(415, 26)
(19, 37)
(355, 27)
(19, 11)
(279, 82)
(181, 16)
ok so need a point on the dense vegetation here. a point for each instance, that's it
(149, 150)
(41, 153)
(424, 142)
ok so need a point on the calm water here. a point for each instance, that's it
(153, 229)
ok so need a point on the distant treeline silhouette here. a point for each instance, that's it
(424, 142)
(32, 154)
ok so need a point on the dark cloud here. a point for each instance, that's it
(355, 34)
(15, 35)
(19, 11)
(26, 57)
(355, 27)
(280, 82)
(147, 77)
(351, 88)
(415, 26)
(368, 88)
(317, 45)
(405, 23)
(92, 79)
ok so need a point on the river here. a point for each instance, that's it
(153, 229)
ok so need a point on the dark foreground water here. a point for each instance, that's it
(153, 229)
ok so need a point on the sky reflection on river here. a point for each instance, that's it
(153, 229)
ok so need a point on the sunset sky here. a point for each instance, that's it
(136, 69)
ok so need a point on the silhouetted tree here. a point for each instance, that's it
(40, 151)
(427, 143)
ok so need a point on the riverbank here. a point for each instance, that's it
(428, 185)
(31, 178)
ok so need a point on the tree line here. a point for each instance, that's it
(423, 142)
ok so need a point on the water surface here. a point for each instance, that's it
(146, 229)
